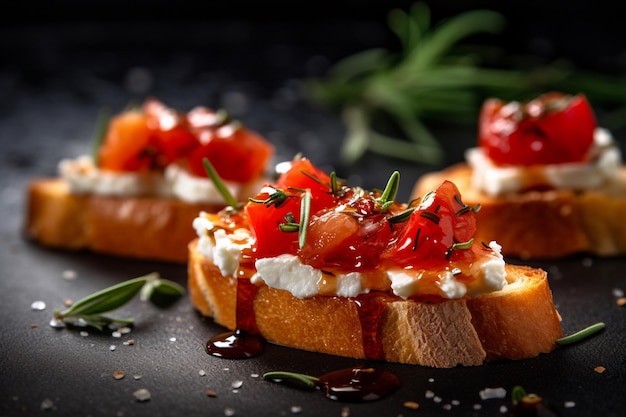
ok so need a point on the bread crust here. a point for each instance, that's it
(138, 227)
(445, 334)
(543, 224)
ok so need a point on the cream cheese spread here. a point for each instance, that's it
(497, 180)
(286, 272)
(83, 177)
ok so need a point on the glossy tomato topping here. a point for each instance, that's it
(154, 136)
(281, 203)
(350, 229)
(554, 128)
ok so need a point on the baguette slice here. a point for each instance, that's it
(139, 227)
(544, 224)
(517, 322)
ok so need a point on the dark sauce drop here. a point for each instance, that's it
(358, 384)
(245, 342)
(237, 344)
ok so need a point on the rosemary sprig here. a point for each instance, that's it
(386, 99)
(305, 215)
(388, 195)
(581, 334)
(90, 310)
(219, 184)
(307, 381)
(100, 132)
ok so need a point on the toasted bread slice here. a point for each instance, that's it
(517, 322)
(138, 227)
(544, 224)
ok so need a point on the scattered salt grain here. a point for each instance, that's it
(116, 334)
(228, 411)
(477, 406)
(431, 379)
(124, 330)
(112, 348)
(202, 372)
(84, 333)
(136, 377)
(129, 342)
(172, 339)
(254, 375)
(455, 402)
(345, 412)
(437, 399)
(490, 393)
(47, 404)
(295, 409)
(447, 406)
(569, 404)
(236, 384)
(429, 394)
(587, 262)
(618, 292)
(38, 305)
(142, 395)
(504, 409)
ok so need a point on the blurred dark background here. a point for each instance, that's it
(62, 61)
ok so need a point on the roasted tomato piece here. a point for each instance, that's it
(438, 229)
(149, 138)
(171, 132)
(280, 203)
(237, 153)
(345, 240)
(128, 144)
(554, 128)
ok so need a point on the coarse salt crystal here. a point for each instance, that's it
(295, 409)
(228, 411)
(569, 404)
(142, 395)
(236, 384)
(84, 333)
(112, 348)
(503, 409)
(490, 393)
(202, 372)
(429, 394)
(38, 305)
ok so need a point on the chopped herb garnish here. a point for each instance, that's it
(277, 198)
(89, 310)
(389, 193)
(219, 184)
(581, 334)
(417, 238)
(456, 246)
(401, 217)
(305, 215)
(100, 134)
(305, 380)
(430, 216)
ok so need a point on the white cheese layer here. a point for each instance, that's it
(497, 180)
(83, 177)
(286, 272)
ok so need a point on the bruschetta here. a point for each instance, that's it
(315, 264)
(139, 191)
(549, 180)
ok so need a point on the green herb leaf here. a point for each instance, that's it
(302, 379)
(89, 310)
(517, 394)
(99, 135)
(219, 184)
(389, 193)
(305, 215)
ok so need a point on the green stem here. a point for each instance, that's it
(581, 334)
(306, 380)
